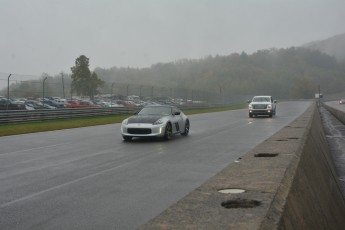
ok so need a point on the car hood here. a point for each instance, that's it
(143, 119)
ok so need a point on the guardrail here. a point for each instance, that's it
(18, 116)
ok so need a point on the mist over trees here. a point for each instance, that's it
(333, 46)
(283, 73)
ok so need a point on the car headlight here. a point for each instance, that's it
(269, 106)
(250, 107)
(158, 122)
(125, 122)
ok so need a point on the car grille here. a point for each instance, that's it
(138, 131)
(259, 106)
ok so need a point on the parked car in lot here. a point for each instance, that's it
(53, 103)
(126, 103)
(156, 121)
(80, 104)
(262, 105)
(34, 105)
(108, 104)
(6, 104)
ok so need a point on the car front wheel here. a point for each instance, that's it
(168, 132)
(186, 129)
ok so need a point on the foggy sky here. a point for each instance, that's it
(46, 36)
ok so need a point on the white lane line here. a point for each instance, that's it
(42, 147)
(67, 183)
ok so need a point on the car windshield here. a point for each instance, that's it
(261, 99)
(155, 111)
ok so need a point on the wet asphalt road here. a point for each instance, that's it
(88, 178)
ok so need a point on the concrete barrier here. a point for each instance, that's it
(286, 182)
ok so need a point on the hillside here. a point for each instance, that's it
(285, 73)
(291, 73)
(334, 46)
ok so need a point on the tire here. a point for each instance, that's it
(250, 115)
(270, 115)
(186, 128)
(168, 132)
(127, 138)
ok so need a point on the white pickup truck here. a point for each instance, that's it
(262, 105)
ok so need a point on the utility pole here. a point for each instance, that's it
(140, 87)
(127, 91)
(63, 86)
(8, 86)
(43, 88)
(111, 96)
(220, 94)
(319, 96)
(8, 91)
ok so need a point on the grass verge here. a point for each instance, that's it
(32, 127)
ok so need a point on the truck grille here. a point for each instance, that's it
(259, 106)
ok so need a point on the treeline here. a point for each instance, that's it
(284, 73)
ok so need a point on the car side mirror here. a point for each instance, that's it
(136, 113)
(177, 113)
(248, 101)
(275, 101)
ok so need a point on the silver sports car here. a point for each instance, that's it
(156, 121)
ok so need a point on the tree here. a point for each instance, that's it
(84, 83)
(94, 81)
